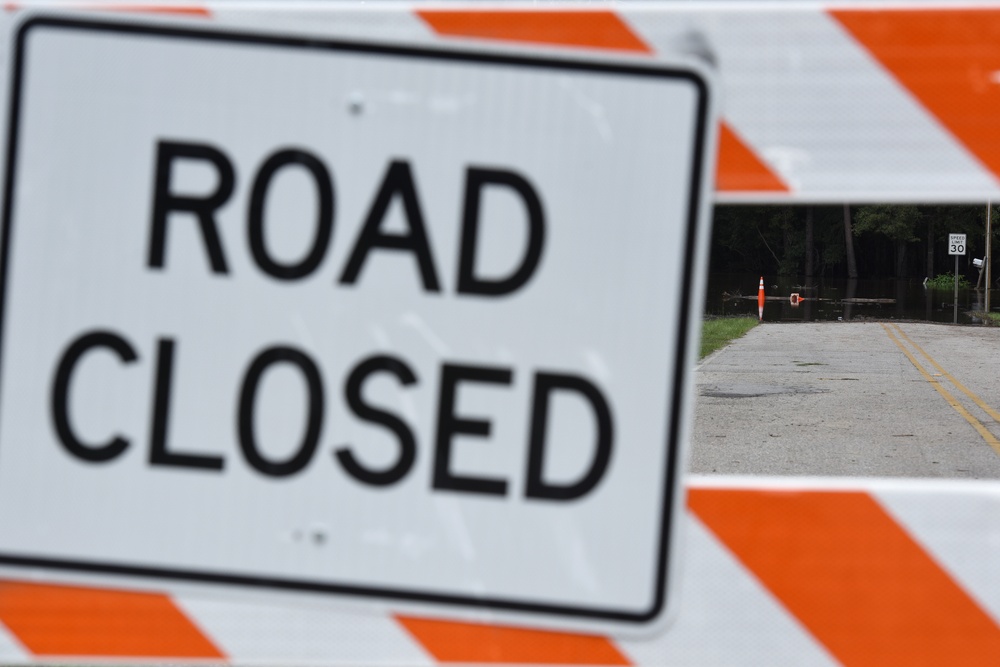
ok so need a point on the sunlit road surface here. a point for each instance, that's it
(874, 399)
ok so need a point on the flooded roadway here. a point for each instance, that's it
(841, 299)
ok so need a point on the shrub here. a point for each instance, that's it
(947, 281)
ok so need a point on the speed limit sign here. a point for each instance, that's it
(956, 244)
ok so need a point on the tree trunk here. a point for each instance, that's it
(900, 259)
(852, 265)
(930, 249)
(787, 256)
(809, 244)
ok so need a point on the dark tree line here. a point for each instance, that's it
(864, 241)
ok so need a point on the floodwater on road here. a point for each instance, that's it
(822, 299)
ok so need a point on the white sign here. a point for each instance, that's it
(956, 244)
(375, 322)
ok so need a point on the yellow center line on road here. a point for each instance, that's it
(990, 439)
(958, 385)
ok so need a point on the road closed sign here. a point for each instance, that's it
(364, 322)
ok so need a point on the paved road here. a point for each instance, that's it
(835, 398)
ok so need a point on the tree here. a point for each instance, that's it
(810, 244)
(751, 238)
(899, 224)
(852, 263)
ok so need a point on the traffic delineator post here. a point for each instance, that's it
(760, 300)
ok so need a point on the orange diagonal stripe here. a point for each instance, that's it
(450, 641)
(949, 59)
(852, 576)
(182, 10)
(739, 169)
(599, 29)
(53, 620)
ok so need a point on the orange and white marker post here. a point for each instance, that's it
(760, 300)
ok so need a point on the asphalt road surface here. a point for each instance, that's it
(843, 398)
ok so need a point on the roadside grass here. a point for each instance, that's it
(718, 332)
(989, 319)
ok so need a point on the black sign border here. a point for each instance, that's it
(649, 69)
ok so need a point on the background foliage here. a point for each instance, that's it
(887, 241)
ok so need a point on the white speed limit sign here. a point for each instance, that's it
(956, 244)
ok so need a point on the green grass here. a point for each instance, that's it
(716, 333)
(989, 319)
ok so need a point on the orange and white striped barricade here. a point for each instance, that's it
(822, 102)
(810, 571)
